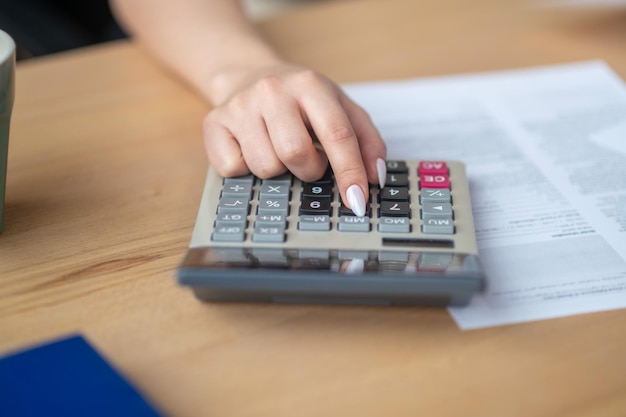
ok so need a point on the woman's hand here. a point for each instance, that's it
(264, 123)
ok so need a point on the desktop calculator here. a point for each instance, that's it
(284, 240)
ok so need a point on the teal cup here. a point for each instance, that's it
(7, 92)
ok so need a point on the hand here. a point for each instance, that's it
(263, 126)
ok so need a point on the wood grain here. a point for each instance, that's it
(106, 167)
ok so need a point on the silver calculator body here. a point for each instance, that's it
(283, 240)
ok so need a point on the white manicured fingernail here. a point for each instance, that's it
(356, 199)
(355, 266)
(381, 168)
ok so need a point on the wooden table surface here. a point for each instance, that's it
(106, 167)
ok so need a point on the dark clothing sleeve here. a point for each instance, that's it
(41, 27)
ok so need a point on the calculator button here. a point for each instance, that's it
(439, 226)
(236, 190)
(271, 234)
(314, 223)
(434, 261)
(433, 167)
(397, 180)
(397, 167)
(273, 206)
(245, 179)
(230, 219)
(394, 193)
(270, 257)
(232, 205)
(270, 219)
(435, 195)
(317, 190)
(354, 224)
(436, 210)
(394, 209)
(346, 211)
(273, 190)
(228, 234)
(315, 205)
(394, 225)
(434, 181)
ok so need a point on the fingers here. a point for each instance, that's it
(354, 147)
(264, 129)
(223, 150)
(236, 149)
(335, 133)
(371, 144)
(292, 141)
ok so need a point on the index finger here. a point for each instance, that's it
(333, 129)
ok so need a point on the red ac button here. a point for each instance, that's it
(433, 167)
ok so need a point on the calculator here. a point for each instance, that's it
(288, 241)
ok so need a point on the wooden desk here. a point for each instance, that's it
(106, 167)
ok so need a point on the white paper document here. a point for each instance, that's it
(582, 3)
(545, 150)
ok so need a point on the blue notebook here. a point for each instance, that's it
(66, 378)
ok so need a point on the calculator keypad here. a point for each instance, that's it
(284, 240)
(417, 200)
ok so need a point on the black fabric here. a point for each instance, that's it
(41, 27)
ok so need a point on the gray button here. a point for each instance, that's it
(232, 205)
(437, 210)
(229, 234)
(245, 179)
(438, 226)
(273, 206)
(270, 256)
(278, 190)
(394, 224)
(434, 195)
(354, 224)
(230, 219)
(314, 223)
(237, 190)
(434, 261)
(268, 234)
(270, 220)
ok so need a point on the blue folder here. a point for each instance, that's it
(66, 378)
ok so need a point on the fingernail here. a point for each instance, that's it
(356, 199)
(381, 168)
(355, 266)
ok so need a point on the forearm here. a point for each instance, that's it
(264, 108)
(208, 42)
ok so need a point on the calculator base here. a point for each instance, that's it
(210, 295)
(378, 278)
